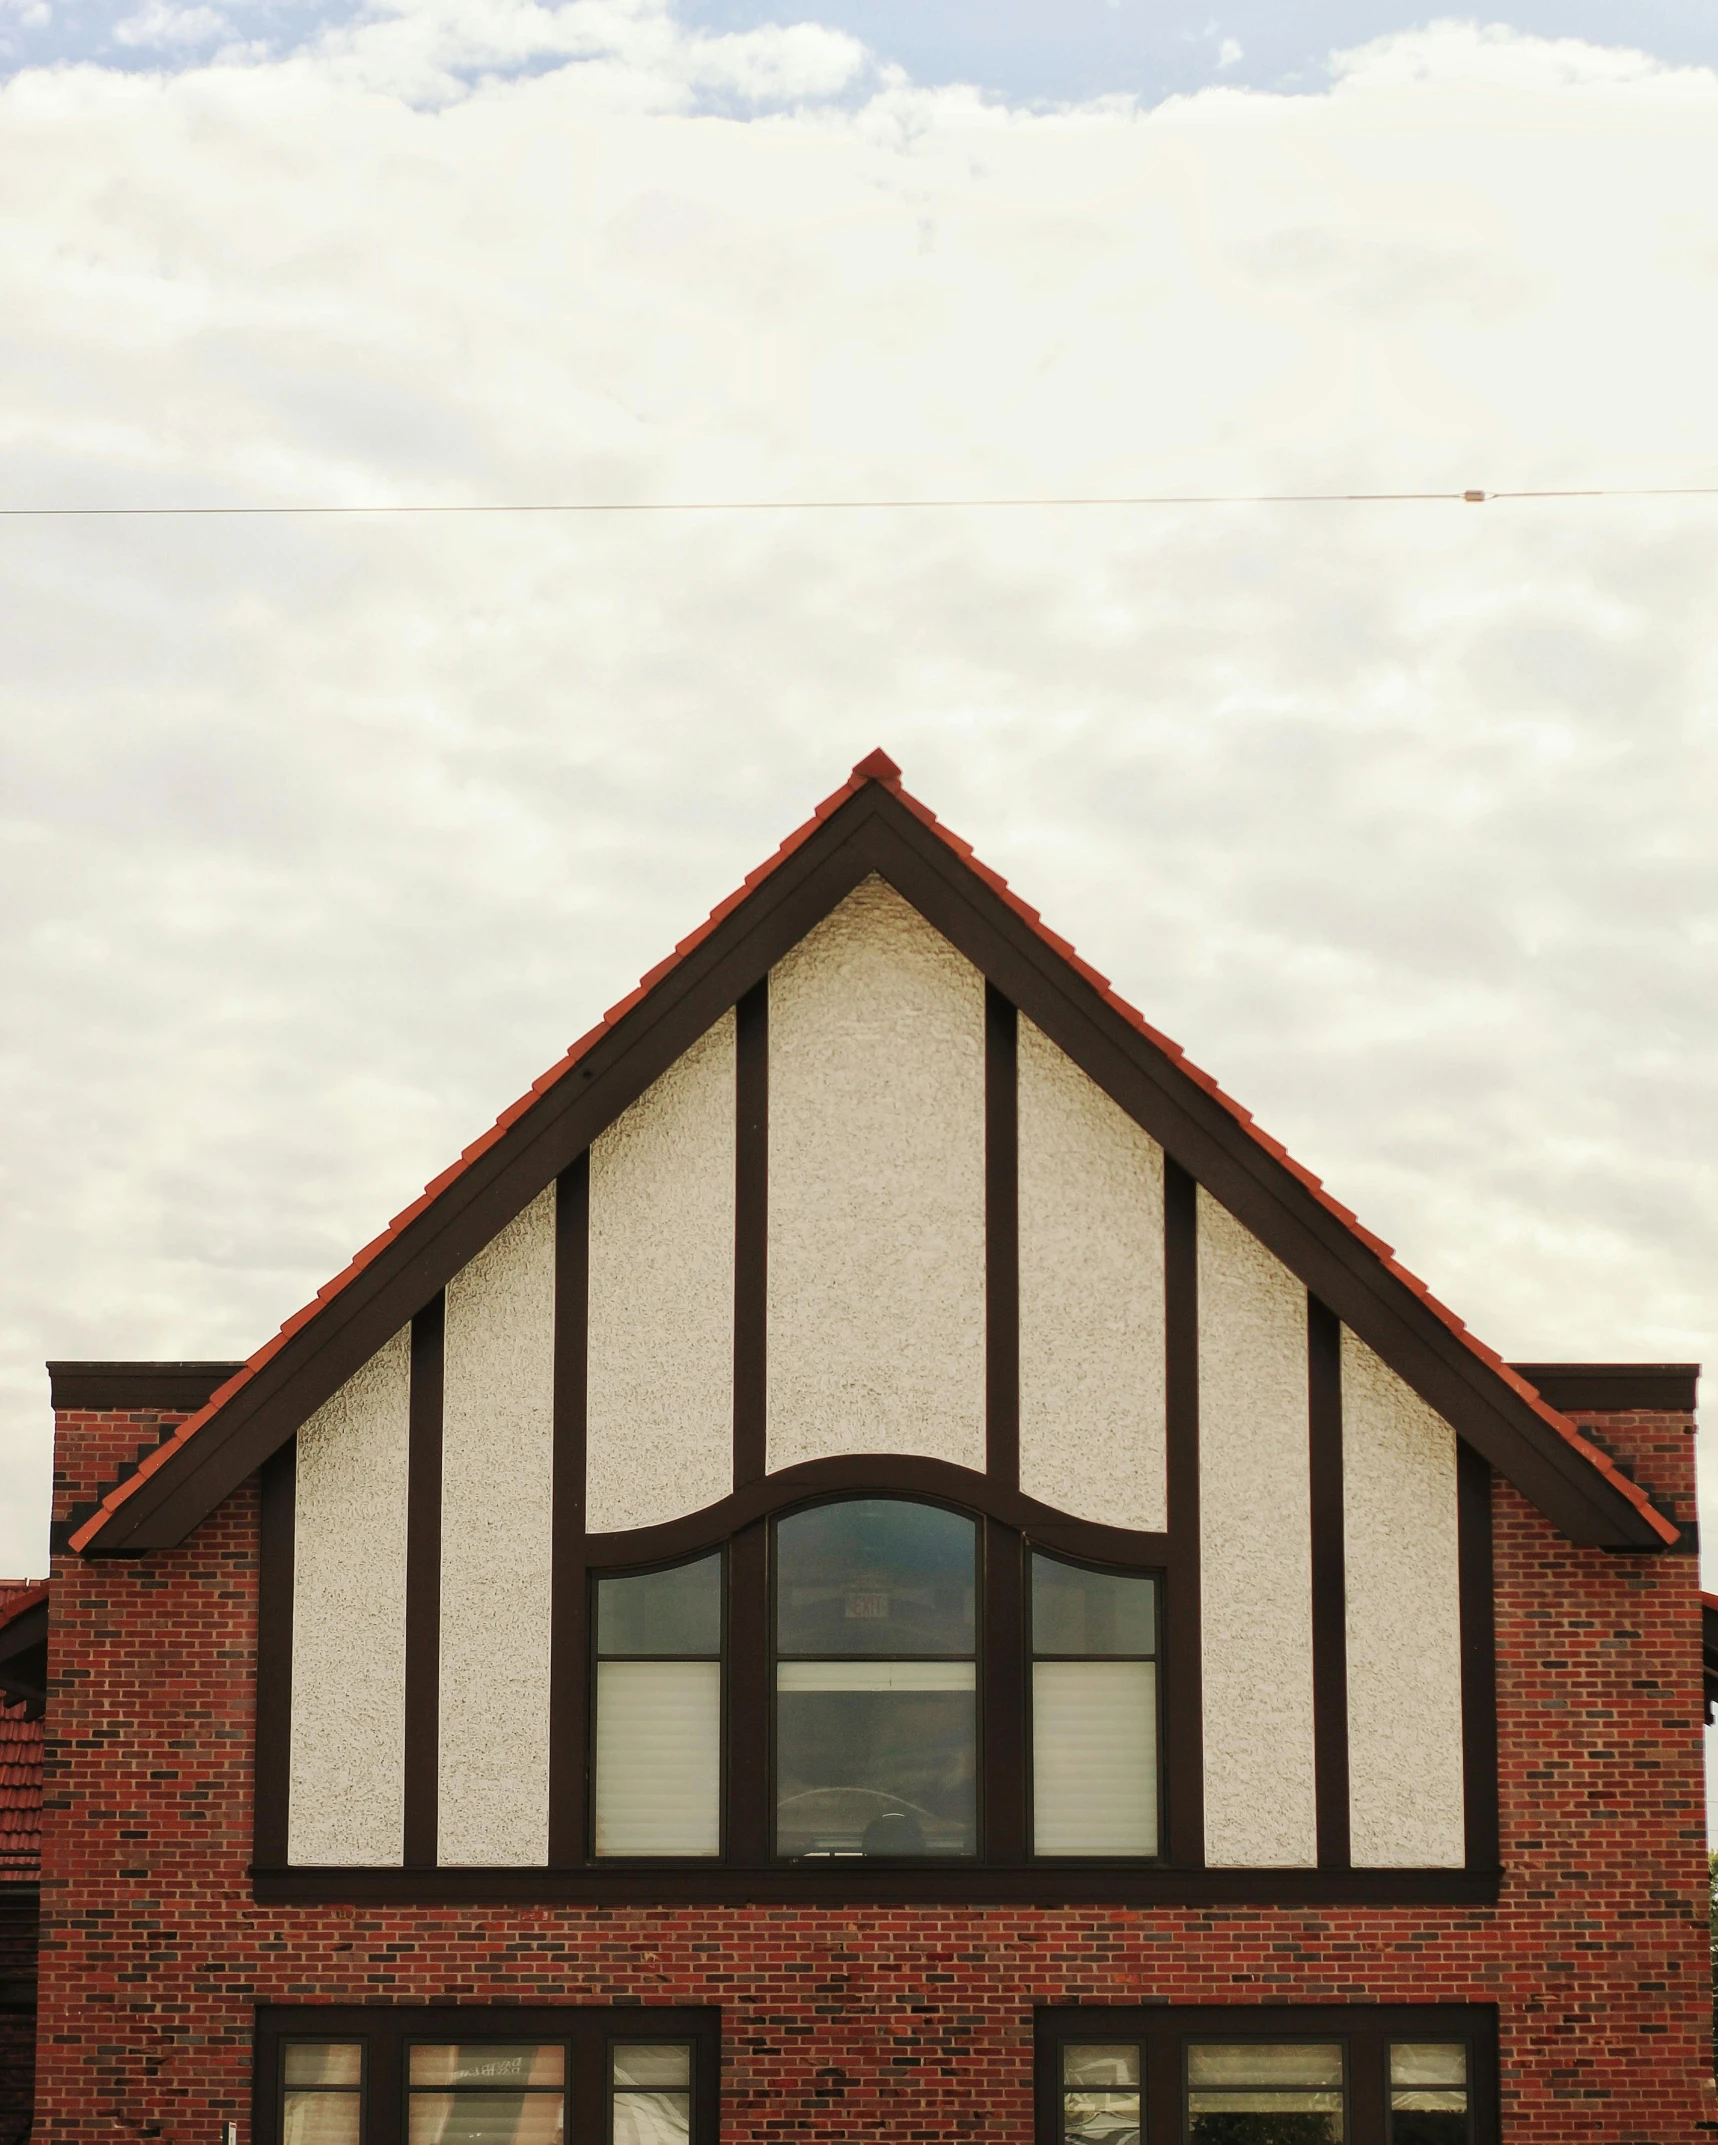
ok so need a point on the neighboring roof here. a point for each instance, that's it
(24, 1642)
(871, 825)
(20, 1795)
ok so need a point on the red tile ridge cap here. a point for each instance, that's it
(877, 766)
(14, 1605)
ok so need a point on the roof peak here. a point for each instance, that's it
(876, 767)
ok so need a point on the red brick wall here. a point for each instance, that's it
(901, 2023)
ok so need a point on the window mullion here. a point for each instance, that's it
(1002, 1712)
(750, 1774)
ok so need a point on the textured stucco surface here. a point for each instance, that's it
(1255, 1535)
(876, 1232)
(497, 1478)
(1404, 1621)
(347, 1798)
(661, 1410)
(1091, 1297)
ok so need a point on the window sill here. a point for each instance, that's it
(1033, 1885)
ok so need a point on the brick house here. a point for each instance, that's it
(875, 1563)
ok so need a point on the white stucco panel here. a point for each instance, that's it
(876, 1225)
(659, 1438)
(497, 1485)
(1406, 1803)
(1091, 1297)
(1255, 1530)
(346, 1803)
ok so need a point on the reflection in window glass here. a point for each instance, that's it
(1100, 2093)
(1094, 1711)
(1265, 2093)
(658, 1765)
(486, 2093)
(876, 1684)
(323, 2101)
(1428, 2093)
(650, 2092)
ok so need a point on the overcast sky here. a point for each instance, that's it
(321, 839)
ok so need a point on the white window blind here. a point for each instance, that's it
(659, 1758)
(1094, 1757)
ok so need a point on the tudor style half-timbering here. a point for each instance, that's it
(875, 1430)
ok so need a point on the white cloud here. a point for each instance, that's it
(1231, 52)
(320, 839)
(165, 26)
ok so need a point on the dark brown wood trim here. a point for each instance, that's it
(174, 1388)
(1329, 1583)
(1478, 1658)
(569, 1647)
(748, 1799)
(876, 1474)
(276, 1534)
(751, 1232)
(423, 1588)
(1575, 1387)
(1001, 1240)
(874, 831)
(1004, 1718)
(1038, 1884)
(1182, 1643)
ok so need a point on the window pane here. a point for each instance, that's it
(324, 2062)
(1427, 2126)
(1100, 2119)
(875, 1575)
(875, 1772)
(1277, 2126)
(652, 2063)
(485, 2119)
(488, 2063)
(678, 1611)
(876, 1676)
(652, 2118)
(1109, 2063)
(1428, 2063)
(659, 1758)
(1090, 1612)
(1094, 1757)
(322, 2118)
(1298, 2063)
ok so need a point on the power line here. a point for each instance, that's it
(860, 506)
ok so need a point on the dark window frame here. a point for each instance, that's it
(587, 2031)
(1165, 2031)
(1003, 1652)
(1156, 1577)
(594, 1578)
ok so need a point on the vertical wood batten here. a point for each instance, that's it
(1478, 1659)
(569, 1649)
(1329, 1583)
(1184, 1770)
(748, 1812)
(751, 1232)
(423, 1586)
(1001, 1239)
(275, 1533)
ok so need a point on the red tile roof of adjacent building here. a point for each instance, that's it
(20, 1759)
(878, 767)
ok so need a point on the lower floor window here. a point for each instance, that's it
(470, 2076)
(1268, 2075)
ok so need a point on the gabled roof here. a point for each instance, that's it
(872, 825)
